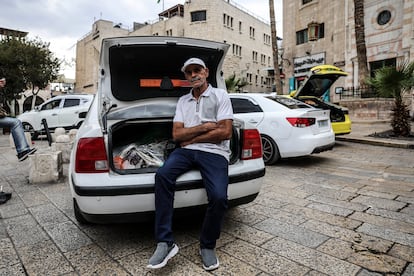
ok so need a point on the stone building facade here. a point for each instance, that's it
(323, 32)
(249, 56)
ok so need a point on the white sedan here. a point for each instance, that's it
(288, 127)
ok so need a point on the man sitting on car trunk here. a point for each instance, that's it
(202, 126)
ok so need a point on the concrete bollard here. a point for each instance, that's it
(72, 134)
(64, 145)
(45, 167)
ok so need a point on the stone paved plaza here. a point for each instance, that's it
(349, 211)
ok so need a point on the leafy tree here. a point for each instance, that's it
(27, 64)
(233, 84)
(395, 82)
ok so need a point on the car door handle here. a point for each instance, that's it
(253, 121)
(54, 114)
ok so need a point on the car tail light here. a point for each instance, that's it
(301, 122)
(91, 156)
(252, 144)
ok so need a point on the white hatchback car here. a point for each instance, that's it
(127, 132)
(289, 128)
(67, 111)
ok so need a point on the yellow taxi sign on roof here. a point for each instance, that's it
(327, 69)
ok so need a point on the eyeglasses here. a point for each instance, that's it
(196, 70)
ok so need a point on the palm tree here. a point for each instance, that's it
(233, 84)
(395, 82)
(275, 50)
(360, 41)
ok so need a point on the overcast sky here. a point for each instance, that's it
(63, 22)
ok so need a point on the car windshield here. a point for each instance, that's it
(289, 102)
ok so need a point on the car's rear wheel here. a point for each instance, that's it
(78, 213)
(270, 150)
(28, 128)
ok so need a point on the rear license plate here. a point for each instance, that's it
(323, 123)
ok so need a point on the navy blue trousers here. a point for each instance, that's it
(214, 171)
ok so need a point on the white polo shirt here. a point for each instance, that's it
(212, 106)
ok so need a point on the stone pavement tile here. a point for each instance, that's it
(8, 256)
(33, 198)
(338, 248)
(58, 194)
(245, 232)
(365, 272)
(409, 218)
(14, 270)
(406, 199)
(292, 232)
(44, 259)
(370, 242)
(322, 216)
(387, 234)
(67, 236)
(47, 214)
(397, 187)
(371, 260)
(334, 210)
(378, 202)
(289, 197)
(367, 191)
(409, 271)
(12, 209)
(378, 262)
(396, 225)
(92, 260)
(338, 203)
(229, 264)
(245, 216)
(263, 259)
(311, 258)
(340, 195)
(269, 202)
(409, 210)
(24, 231)
(278, 214)
(402, 252)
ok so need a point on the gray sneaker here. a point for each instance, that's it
(162, 254)
(210, 260)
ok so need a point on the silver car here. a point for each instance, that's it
(126, 135)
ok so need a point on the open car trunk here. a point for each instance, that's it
(141, 146)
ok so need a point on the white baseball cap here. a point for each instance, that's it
(193, 61)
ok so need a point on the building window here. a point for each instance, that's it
(302, 36)
(254, 56)
(252, 32)
(169, 32)
(237, 50)
(240, 27)
(228, 21)
(384, 17)
(266, 39)
(304, 2)
(263, 59)
(198, 16)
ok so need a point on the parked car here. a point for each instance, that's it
(67, 111)
(128, 130)
(289, 128)
(319, 80)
